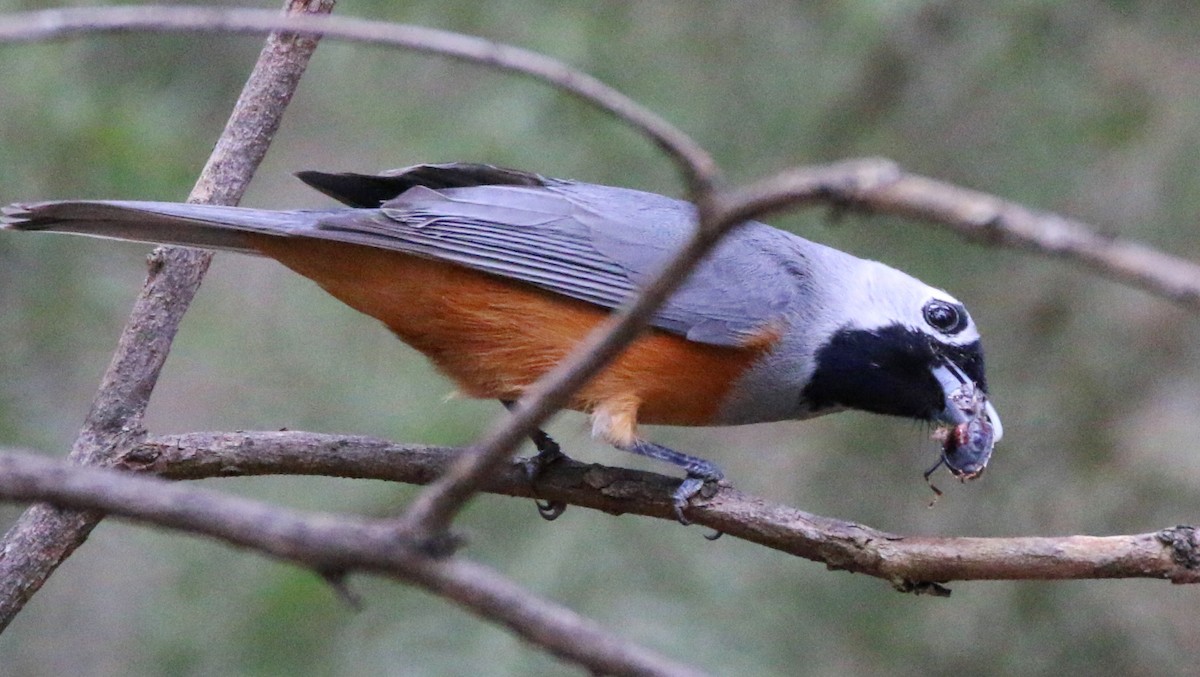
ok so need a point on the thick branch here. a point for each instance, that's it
(43, 537)
(909, 562)
(333, 546)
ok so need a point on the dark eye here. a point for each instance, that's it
(947, 318)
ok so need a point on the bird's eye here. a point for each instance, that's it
(945, 317)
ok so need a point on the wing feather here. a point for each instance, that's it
(594, 243)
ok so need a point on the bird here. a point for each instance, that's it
(495, 274)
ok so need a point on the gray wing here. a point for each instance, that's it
(594, 243)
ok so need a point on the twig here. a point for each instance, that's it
(991, 220)
(987, 219)
(44, 536)
(908, 562)
(697, 166)
(331, 543)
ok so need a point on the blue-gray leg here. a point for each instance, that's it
(548, 453)
(698, 470)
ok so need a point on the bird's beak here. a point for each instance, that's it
(953, 382)
(997, 427)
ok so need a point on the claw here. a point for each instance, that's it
(679, 515)
(548, 454)
(550, 510)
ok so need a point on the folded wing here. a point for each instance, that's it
(594, 243)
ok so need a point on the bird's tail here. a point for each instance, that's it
(207, 226)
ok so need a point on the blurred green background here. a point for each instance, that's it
(1091, 108)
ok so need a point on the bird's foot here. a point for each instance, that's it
(548, 454)
(699, 473)
(691, 486)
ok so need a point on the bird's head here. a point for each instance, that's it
(897, 346)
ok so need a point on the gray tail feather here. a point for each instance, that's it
(207, 226)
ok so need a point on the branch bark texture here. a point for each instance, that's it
(911, 563)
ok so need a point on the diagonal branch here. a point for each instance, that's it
(914, 563)
(434, 509)
(874, 185)
(333, 546)
(43, 537)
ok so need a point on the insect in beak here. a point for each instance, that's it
(967, 444)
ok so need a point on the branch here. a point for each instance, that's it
(333, 546)
(43, 537)
(993, 221)
(911, 563)
(696, 164)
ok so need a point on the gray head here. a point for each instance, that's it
(890, 344)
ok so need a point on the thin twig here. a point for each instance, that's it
(992, 220)
(697, 166)
(983, 218)
(908, 562)
(43, 536)
(331, 543)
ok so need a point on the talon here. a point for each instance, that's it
(550, 510)
(714, 535)
(548, 454)
(679, 517)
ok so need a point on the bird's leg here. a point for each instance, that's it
(548, 453)
(615, 421)
(698, 470)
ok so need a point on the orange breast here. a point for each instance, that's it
(495, 336)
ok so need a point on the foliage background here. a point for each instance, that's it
(1087, 107)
